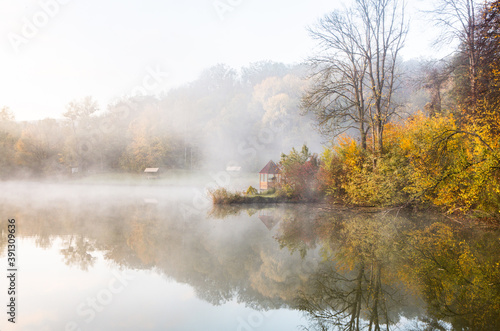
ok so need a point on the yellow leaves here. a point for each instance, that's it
(449, 166)
(430, 159)
(349, 150)
(392, 134)
(454, 273)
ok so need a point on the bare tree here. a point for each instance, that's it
(457, 19)
(337, 96)
(433, 76)
(355, 74)
(385, 33)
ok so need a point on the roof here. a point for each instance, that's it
(151, 170)
(270, 168)
(269, 221)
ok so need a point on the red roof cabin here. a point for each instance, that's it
(269, 176)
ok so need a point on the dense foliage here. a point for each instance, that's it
(299, 174)
(425, 160)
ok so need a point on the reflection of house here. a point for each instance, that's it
(267, 217)
(152, 173)
(269, 176)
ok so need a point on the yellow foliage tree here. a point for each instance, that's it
(450, 165)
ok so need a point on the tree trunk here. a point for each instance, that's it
(363, 135)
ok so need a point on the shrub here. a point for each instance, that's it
(270, 191)
(222, 196)
(299, 171)
(251, 190)
(332, 175)
(353, 175)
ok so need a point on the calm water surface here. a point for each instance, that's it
(94, 257)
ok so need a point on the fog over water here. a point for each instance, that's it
(75, 239)
(144, 256)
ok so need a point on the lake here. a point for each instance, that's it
(153, 257)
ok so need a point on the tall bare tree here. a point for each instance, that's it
(355, 73)
(433, 76)
(458, 21)
(385, 33)
(337, 95)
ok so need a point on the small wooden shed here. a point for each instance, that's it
(152, 173)
(269, 176)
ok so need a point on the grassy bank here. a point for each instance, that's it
(222, 196)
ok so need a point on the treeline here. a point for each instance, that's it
(225, 117)
(447, 155)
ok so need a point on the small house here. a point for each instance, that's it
(269, 176)
(152, 173)
(233, 169)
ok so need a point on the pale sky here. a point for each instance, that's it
(55, 51)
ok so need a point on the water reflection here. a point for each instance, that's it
(77, 252)
(380, 271)
(346, 271)
(458, 274)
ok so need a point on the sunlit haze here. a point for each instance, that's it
(55, 51)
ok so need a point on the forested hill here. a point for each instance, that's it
(225, 117)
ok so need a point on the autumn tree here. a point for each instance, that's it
(112, 133)
(6, 114)
(475, 26)
(37, 148)
(461, 156)
(299, 171)
(9, 134)
(81, 142)
(487, 115)
(277, 99)
(145, 150)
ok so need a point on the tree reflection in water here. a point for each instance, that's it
(379, 264)
(458, 274)
(353, 289)
(345, 270)
(77, 252)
